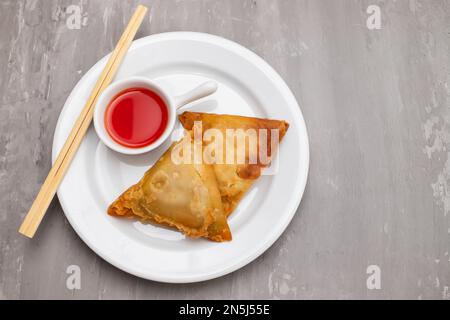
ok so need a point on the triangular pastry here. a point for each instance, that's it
(184, 196)
(234, 179)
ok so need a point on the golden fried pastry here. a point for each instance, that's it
(184, 196)
(236, 177)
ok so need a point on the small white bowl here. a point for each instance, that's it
(172, 103)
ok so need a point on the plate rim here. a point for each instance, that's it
(304, 143)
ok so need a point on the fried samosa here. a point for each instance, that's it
(235, 178)
(183, 196)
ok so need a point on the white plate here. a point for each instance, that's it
(247, 86)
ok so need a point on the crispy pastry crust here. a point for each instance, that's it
(234, 180)
(196, 198)
(182, 196)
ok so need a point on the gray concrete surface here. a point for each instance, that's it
(377, 107)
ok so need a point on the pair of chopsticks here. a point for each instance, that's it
(65, 156)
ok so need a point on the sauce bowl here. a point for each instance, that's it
(173, 103)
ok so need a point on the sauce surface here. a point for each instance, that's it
(136, 117)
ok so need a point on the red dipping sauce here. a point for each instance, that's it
(136, 117)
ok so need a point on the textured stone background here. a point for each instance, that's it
(377, 107)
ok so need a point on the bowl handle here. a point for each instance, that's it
(199, 92)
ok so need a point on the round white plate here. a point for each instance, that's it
(247, 86)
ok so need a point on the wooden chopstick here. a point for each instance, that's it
(68, 151)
